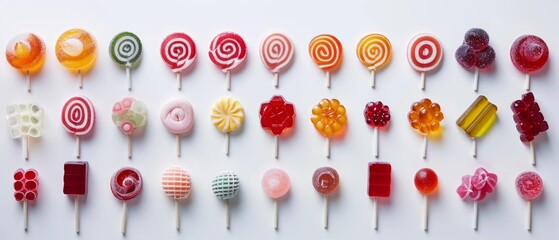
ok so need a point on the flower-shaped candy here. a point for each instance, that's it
(425, 116)
(277, 115)
(227, 114)
(329, 117)
(377, 115)
(478, 185)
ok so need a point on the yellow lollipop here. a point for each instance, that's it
(26, 52)
(76, 49)
(374, 51)
(227, 115)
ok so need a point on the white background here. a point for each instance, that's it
(151, 215)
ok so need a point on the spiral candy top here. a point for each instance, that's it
(26, 52)
(226, 185)
(424, 52)
(126, 49)
(227, 114)
(126, 183)
(227, 51)
(276, 52)
(177, 116)
(25, 120)
(176, 183)
(326, 51)
(374, 51)
(178, 51)
(78, 116)
(76, 49)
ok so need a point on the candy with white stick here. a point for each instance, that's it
(325, 180)
(477, 187)
(424, 54)
(126, 184)
(380, 180)
(26, 184)
(26, 52)
(178, 51)
(377, 115)
(425, 116)
(529, 186)
(176, 185)
(529, 54)
(227, 115)
(225, 186)
(227, 51)
(126, 51)
(276, 52)
(178, 117)
(426, 182)
(477, 120)
(128, 115)
(276, 116)
(329, 118)
(529, 120)
(75, 185)
(475, 53)
(78, 118)
(276, 184)
(326, 51)
(374, 52)
(76, 49)
(25, 121)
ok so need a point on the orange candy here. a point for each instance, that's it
(425, 116)
(76, 49)
(326, 51)
(329, 117)
(26, 52)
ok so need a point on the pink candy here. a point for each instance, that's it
(177, 116)
(478, 185)
(275, 183)
(25, 184)
(126, 184)
(529, 185)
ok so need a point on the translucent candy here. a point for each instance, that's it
(76, 49)
(277, 115)
(529, 185)
(426, 181)
(129, 114)
(26, 184)
(528, 118)
(377, 115)
(425, 116)
(325, 180)
(126, 183)
(529, 53)
(26, 52)
(380, 179)
(478, 118)
(329, 117)
(75, 178)
(25, 120)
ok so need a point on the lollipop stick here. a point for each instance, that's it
(25, 215)
(227, 213)
(476, 79)
(474, 219)
(25, 147)
(328, 147)
(424, 147)
(177, 218)
(129, 147)
(123, 220)
(375, 214)
(28, 79)
(128, 78)
(474, 147)
(276, 80)
(529, 216)
(532, 153)
(325, 212)
(78, 147)
(276, 148)
(375, 142)
(372, 79)
(275, 214)
(228, 80)
(328, 81)
(178, 145)
(80, 81)
(179, 83)
(228, 137)
(425, 213)
(422, 81)
(77, 212)
(527, 82)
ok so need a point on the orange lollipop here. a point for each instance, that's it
(326, 51)
(26, 52)
(76, 49)
(425, 116)
(329, 117)
(374, 51)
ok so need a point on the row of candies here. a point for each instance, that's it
(126, 184)
(76, 49)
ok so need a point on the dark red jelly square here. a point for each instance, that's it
(75, 178)
(379, 179)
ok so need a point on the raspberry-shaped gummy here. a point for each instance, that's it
(425, 116)
(528, 118)
(377, 115)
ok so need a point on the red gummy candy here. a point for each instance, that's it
(376, 114)
(25, 184)
(529, 53)
(528, 118)
(426, 180)
(75, 178)
(325, 180)
(379, 179)
(277, 115)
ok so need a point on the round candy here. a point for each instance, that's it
(227, 114)
(226, 185)
(227, 51)
(529, 53)
(25, 120)
(126, 49)
(424, 52)
(276, 52)
(477, 38)
(275, 183)
(176, 183)
(178, 51)
(529, 185)
(325, 180)
(25, 184)
(126, 183)
(78, 116)
(326, 51)
(329, 117)
(129, 114)
(26, 52)
(277, 115)
(177, 116)
(76, 50)
(426, 181)
(425, 116)
(377, 115)
(374, 51)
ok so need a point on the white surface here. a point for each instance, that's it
(501, 216)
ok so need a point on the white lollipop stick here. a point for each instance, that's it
(424, 147)
(28, 79)
(128, 78)
(422, 83)
(328, 81)
(228, 139)
(425, 213)
(80, 80)
(25, 215)
(177, 215)
(474, 219)
(227, 213)
(375, 142)
(474, 147)
(532, 153)
(529, 216)
(276, 148)
(228, 80)
(178, 145)
(275, 214)
(372, 79)
(476, 79)
(129, 146)
(325, 212)
(78, 147)
(77, 212)
(179, 82)
(123, 220)
(527, 82)
(327, 147)
(276, 80)
(375, 214)
(25, 147)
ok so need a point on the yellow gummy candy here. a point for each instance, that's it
(227, 114)
(76, 50)
(478, 118)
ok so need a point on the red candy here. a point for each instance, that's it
(126, 184)
(25, 184)
(478, 185)
(475, 51)
(379, 179)
(529, 185)
(528, 118)
(277, 115)
(376, 114)
(75, 178)
(529, 53)
(325, 180)
(426, 180)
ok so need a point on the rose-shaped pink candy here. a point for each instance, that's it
(177, 116)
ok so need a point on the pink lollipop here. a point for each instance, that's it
(476, 187)
(529, 53)
(78, 118)
(227, 51)
(25, 186)
(179, 52)
(529, 186)
(275, 184)
(325, 180)
(176, 185)
(126, 184)
(276, 52)
(178, 117)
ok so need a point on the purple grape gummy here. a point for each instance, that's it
(477, 38)
(485, 57)
(465, 56)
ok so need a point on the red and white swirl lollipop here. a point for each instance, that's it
(227, 51)
(78, 118)
(178, 51)
(276, 52)
(424, 54)
(126, 184)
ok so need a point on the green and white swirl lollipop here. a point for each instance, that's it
(126, 51)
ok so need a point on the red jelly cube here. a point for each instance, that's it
(379, 179)
(75, 178)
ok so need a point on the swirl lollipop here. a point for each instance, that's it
(325, 181)
(126, 184)
(176, 185)
(529, 53)
(25, 121)
(76, 50)
(178, 117)
(26, 184)
(26, 52)
(374, 51)
(329, 118)
(424, 54)
(425, 116)
(227, 116)
(227, 51)
(179, 52)
(128, 115)
(276, 184)
(326, 51)
(126, 51)
(529, 186)
(225, 186)
(78, 118)
(276, 52)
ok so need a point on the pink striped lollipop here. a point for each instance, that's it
(176, 185)
(276, 52)
(227, 51)
(424, 54)
(78, 118)
(179, 52)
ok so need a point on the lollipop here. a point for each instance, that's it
(26, 52)
(325, 180)
(276, 52)
(225, 186)
(329, 117)
(25, 121)
(425, 116)
(475, 53)
(76, 49)
(276, 116)
(529, 121)
(178, 51)
(176, 185)
(126, 184)
(275, 184)
(374, 51)
(78, 118)
(126, 51)
(377, 115)
(128, 115)
(424, 54)
(529, 53)
(477, 120)
(26, 184)
(476, 187)
(529, 186)
(178, 117)
(326, 51)
(227, 116)
(426, 182)
(379, 185)
(227, 51)
(75, 184)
